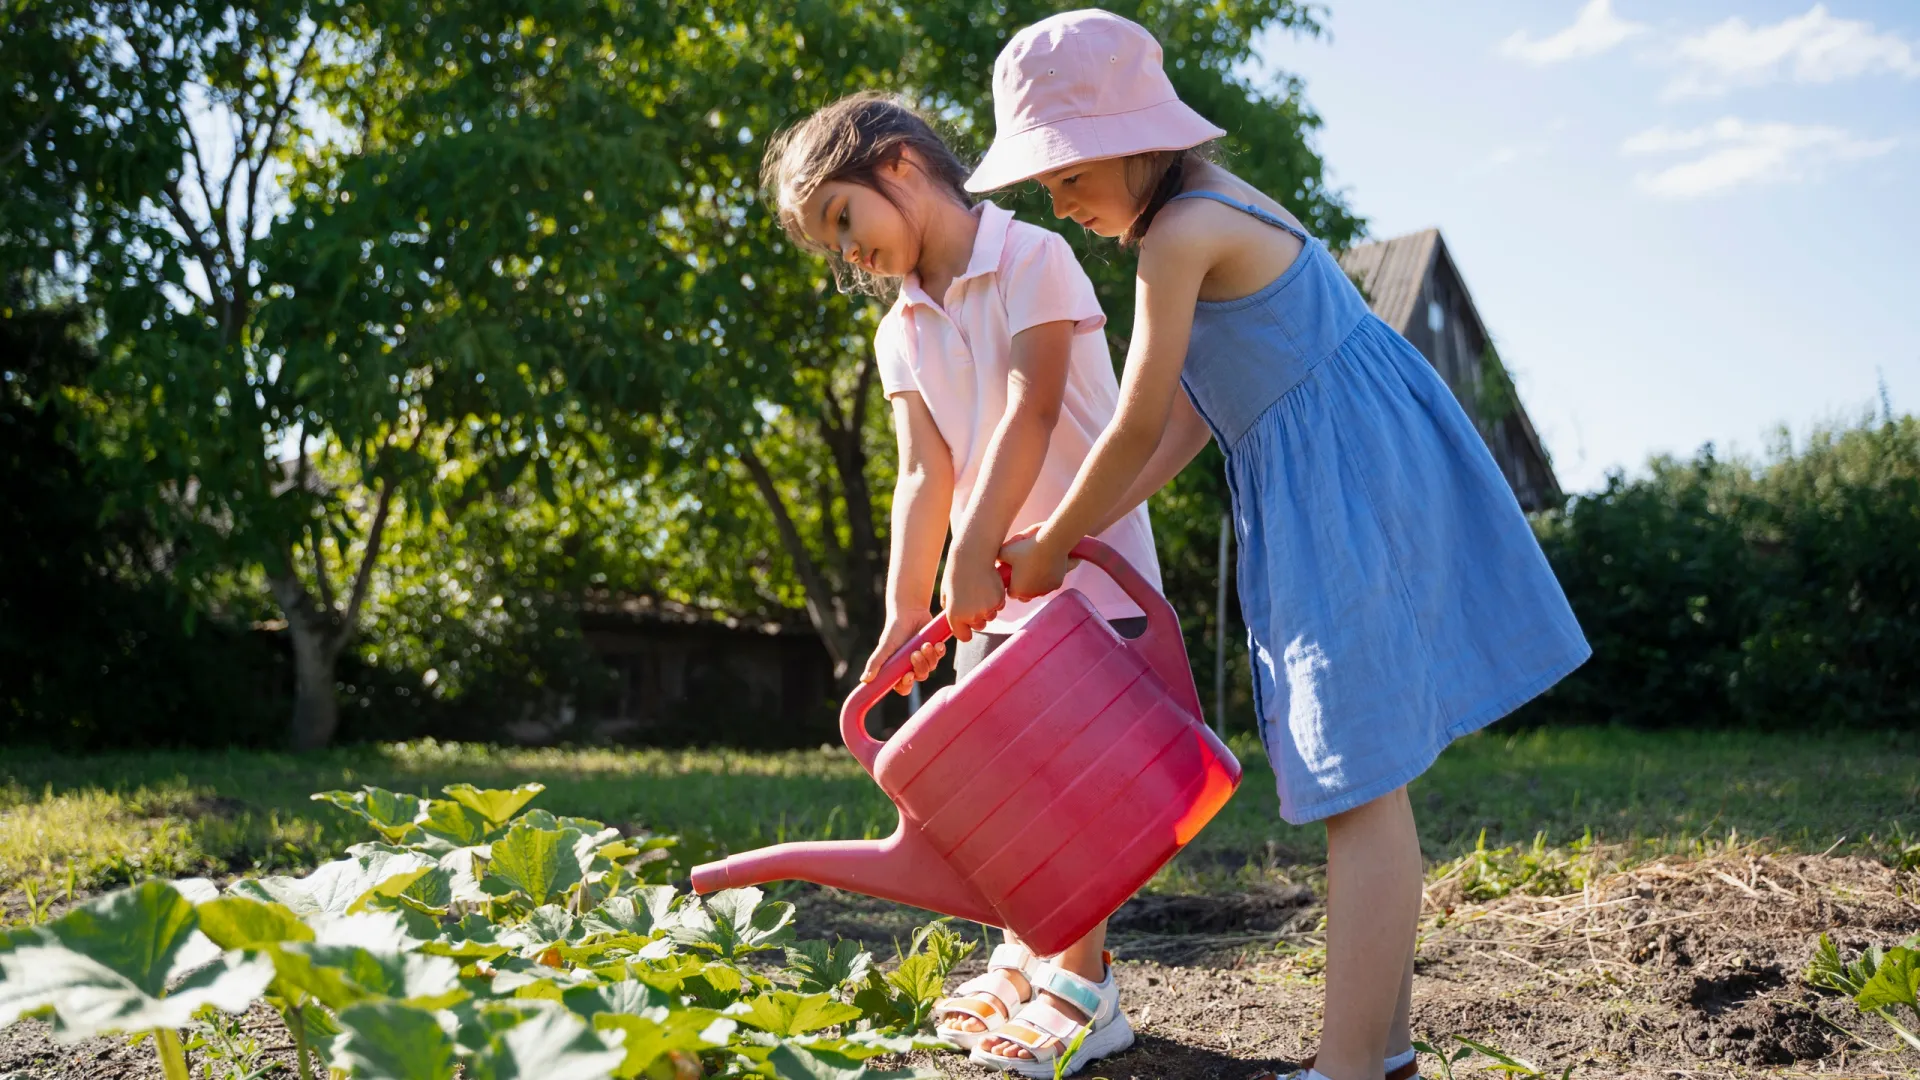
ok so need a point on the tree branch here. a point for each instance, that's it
(315, 534)
(258, 168)
(819, 599)
(368, 557)
(32, 134)
(208, 258)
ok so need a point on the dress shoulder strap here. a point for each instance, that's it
(1263, 214)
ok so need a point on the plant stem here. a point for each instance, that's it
(1912, 1039)
(173, 1060)
(300, 1042)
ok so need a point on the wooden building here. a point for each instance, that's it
(1413, 286)
(682, 675)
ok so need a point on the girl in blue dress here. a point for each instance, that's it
(1394, 595)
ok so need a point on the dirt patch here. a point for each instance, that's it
(1677, 971)
(29, 1052)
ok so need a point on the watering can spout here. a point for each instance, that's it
(903, 868)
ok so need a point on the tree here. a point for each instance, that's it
(339, 241)
(788, 391)
(348, 259)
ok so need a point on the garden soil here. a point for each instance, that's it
(1672, 970)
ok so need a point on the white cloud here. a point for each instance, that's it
(1811, 48)
(1731, 152)
(1595, 30)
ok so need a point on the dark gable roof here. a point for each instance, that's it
(1391, 273)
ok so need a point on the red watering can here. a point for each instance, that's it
(1041, 791)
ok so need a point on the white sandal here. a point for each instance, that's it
(976, 997)
(1042, 1030)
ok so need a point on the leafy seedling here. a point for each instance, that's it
(824, 968)
(1447, 1060)
(733, 923)
(1879, 982)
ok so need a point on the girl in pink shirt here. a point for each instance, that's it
(1000, 382)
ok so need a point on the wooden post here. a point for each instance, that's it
(1220, 635)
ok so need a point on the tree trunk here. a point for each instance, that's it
(316, 708)
(316, 648)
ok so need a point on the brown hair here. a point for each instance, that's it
(850, 141)
(1156, 178)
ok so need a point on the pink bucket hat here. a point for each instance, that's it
(1081, 86)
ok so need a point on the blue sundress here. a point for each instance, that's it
(1394, 595)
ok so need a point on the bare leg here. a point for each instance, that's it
(1085, 958)
(1373, 906)
(1400, 1032)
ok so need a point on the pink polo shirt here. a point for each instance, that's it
(959, 357)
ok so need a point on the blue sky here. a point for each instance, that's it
(1682, 221)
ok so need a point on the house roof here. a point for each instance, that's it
(1392, 272)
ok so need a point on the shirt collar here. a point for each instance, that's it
(989, 240)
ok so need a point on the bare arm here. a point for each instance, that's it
(1186, 435)
(1036, 383)
(1169, 283)
(922, 499)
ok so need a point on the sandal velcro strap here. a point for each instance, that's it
(1044, 1026)
(1009, 955)
(967, 997)
(1068, 987)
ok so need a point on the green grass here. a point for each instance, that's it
(108, 819)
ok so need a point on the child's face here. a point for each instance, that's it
(863, 226)
(1096, 194)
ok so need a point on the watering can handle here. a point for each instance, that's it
(1161, 645)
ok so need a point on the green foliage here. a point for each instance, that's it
(1720, 593)
(495, 984)
(1499, 1061)
(1883, 983)
(97, 647)
(824, 968)
(416, 356)
(125, 963)
(1537, 870)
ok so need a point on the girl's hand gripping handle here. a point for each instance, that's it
(1162, 647)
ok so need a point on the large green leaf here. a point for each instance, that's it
(551, 924)
(104, 967)
(647, 1037)
(732, 923)
(538, 862)
(785, 1013)
(291, 893)
(790, 1062)
(551, 1044)
(623, 915)
(918, 979)
(454, 823)
(825, 968)
(239, 922)
(1896, 982)
(392, 814)
(495, 807)
(387, 1040)
(340, 887)
(630, 996)
(341, 975)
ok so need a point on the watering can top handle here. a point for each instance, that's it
(1161, 645)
